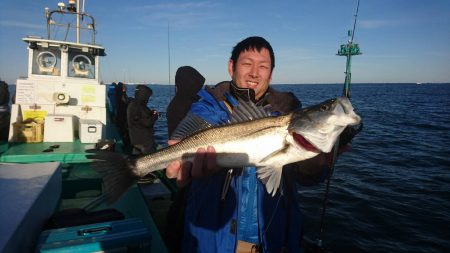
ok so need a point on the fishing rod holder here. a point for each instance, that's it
(349, 49)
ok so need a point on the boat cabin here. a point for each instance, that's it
(60, 60)
(62, 89)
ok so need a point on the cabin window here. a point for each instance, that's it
(47, 61)
(81, 64)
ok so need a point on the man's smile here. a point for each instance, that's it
(252, 83)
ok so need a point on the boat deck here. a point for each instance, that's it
(64, 152)
(73, 152)
(81, 185)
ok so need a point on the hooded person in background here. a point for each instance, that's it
(4, 111)
(188, 82)
(140, 121)
(112, 99)
(122, 101)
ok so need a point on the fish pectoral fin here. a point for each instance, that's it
(271, 177)
(270, 174)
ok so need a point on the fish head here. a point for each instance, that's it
(317, 128)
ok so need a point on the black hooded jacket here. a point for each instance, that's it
(140, 118)
(4, 111)
(188, 83)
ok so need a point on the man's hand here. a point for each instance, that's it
(204, 164)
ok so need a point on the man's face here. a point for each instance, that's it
(252, 70)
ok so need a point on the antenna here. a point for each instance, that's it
(354, 23)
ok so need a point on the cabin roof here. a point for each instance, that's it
(61, 42)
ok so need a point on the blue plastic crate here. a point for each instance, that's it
(130, 235)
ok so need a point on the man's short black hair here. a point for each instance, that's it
(252, 43)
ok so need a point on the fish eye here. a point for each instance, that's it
(324, 107)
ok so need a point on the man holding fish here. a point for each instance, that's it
(253, 208)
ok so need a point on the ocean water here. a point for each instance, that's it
(391, 193)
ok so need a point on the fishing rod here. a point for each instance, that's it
(349, 49)
(168, 50)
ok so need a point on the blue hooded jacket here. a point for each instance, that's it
(214, 223)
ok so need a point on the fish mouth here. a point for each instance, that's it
(304, 143)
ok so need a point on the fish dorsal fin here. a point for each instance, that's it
(247, 111)
(243, 111)
(191, 124)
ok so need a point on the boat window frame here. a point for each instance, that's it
(37, 69)
(77, 53)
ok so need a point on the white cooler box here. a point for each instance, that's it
(58, 128)
(90, 130)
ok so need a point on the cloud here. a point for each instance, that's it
(168, 7)
(298, 54)
(178, 15)
(10, 23)
(373, 24)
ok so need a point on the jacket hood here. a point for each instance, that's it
(142, 93)
(188, 81)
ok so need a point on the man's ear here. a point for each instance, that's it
(231, 67)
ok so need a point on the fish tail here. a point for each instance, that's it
(117, 173)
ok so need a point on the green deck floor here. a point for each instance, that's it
(73, 152)
(82, 186)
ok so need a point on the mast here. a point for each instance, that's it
(78, 18)
(348, 50)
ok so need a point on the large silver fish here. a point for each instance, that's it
(267, 143)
